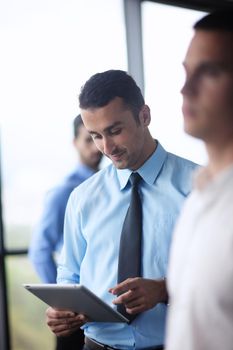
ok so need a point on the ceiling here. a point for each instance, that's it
(204, 5)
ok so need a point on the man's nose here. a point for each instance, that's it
(108, 145)
(190, 86)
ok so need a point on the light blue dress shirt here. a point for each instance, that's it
(93, 223)
(47, 238)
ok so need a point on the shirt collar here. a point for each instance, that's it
(148, 171)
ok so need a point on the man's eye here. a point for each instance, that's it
(115, 131)
(210, 71)
(94, 137)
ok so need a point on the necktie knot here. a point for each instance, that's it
(134, 179)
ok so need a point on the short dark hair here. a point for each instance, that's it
(77, 123)
(103, 87)
(217, 20)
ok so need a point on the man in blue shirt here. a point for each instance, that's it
(115, 114)
(48, 236)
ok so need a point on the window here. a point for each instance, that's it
(167, 31)
(48, 50)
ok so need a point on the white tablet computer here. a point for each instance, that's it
(77, 298)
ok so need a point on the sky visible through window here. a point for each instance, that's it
(49, 48)
(167, 32)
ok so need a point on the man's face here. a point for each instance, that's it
(208, 90)
(117, 134)
(88, 152)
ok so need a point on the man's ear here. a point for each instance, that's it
(144, 115)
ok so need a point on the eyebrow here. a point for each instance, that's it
(218, 64)
(108, 128)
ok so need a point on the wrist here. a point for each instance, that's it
(164, 293)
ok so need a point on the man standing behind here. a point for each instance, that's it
(117, 243)
(200, 276)
(48, 236)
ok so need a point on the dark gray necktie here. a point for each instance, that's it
(129, 263)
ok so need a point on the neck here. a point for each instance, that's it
(220, 156)
(150, 147)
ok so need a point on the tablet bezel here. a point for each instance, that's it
(76, 298)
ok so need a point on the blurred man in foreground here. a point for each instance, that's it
(200, 278)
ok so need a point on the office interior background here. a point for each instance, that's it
(49, 48)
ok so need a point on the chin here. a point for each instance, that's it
(189, 128)
(190, 132)
(120, 165)
(193, 132)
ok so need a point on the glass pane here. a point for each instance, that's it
(48, 50)
(27, 313)
(167, 31)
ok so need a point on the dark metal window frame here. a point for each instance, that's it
(4, 324)
(5, 339)
(200, 5)
(133, 24)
